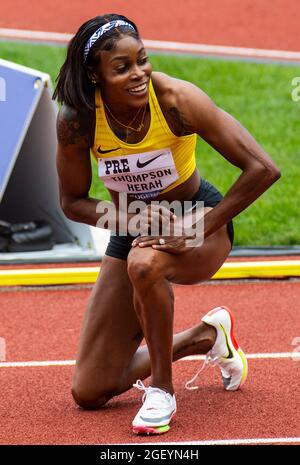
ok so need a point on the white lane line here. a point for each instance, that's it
(35, 35)
(48, 363)
(222, 50)
(220, 442)
(263, 355)
(163, 45)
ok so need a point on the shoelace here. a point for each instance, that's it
(149, 390)
(208, 361)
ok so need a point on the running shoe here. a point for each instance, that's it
(225, 352)
(156, 412)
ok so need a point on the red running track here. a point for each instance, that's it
(36, 406)
(247, 23)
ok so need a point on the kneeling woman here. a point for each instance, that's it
(141, 126)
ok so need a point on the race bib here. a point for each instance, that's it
(143, 175)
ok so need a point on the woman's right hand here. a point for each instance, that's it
(156, 220)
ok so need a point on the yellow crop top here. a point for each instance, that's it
(156, 164)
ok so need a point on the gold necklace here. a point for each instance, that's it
(128, 126)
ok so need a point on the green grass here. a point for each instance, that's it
(259, 96)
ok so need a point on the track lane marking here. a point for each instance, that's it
(219, 442)
(47, 363)
(163, 45)
(89, 274)
(263, 355)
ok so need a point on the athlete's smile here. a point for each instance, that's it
(139, 89)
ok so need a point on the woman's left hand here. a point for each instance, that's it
(169, 244)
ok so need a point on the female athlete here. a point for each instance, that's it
(141, 126)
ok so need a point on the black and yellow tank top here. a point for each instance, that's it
(158, 163)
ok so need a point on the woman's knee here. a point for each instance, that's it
(90, 398)
(88, 402)
(143, 266)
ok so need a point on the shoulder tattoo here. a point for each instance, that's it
(74, 129)
(182, 126)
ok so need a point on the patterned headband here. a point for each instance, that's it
(101, 31)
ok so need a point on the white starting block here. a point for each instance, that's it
(28, 178)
